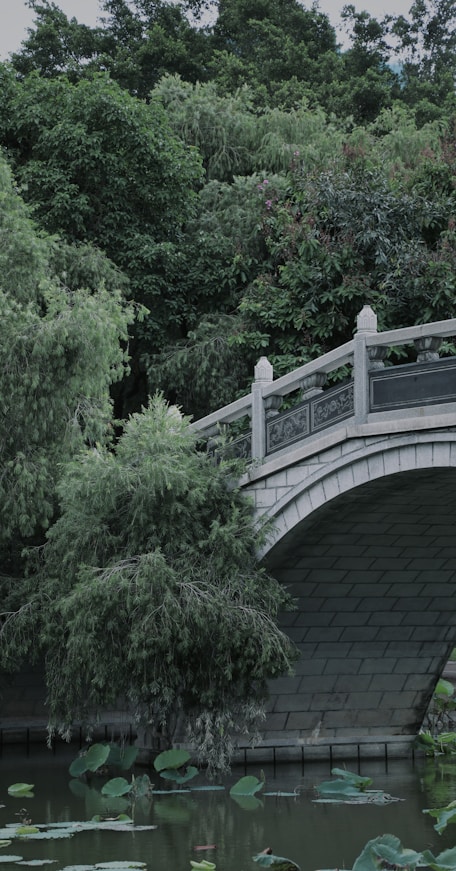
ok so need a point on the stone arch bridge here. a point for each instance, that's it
(359, 479)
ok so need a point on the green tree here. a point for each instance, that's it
(61, 351)
(149, 589)
(135, 42)
(103, 168)
(427, 43)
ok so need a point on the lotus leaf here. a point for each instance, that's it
(352, 777)
(5, 843)
(26, 830)
(5, 859)
(120, 865)
(279, 863)
(446, 861)
(175, 758)
(247, 785)
(116, 787)
(170, 774)
(97, 756)
(377, 851)
(78, 766)
(443, 815)
(20, 789)
(202, 866)
(247, 802)
(122, 757)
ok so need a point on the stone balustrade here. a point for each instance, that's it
(372, 388)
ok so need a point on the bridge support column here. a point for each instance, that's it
(366, 326)
(264, 374)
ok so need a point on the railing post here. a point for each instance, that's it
(366, 324)
(263, 375)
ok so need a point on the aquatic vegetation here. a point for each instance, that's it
(350, 788)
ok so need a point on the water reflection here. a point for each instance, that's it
(313, 835)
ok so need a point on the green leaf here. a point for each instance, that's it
(247, 785)
(78, 766)
(279, 863)
(171, 759)
(20, 789)
(117, 786)
(97, 756)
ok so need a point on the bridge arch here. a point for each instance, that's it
(357, 473)
(370, 560)
(289, 490)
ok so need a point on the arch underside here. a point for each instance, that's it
(372, 572)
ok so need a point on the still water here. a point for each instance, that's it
(315, 836)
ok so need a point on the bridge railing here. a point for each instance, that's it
(371, 388)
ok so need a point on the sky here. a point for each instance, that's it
(15, 16)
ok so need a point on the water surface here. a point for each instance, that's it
(316, 836)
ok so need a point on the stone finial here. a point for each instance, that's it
(263, 370)
(366, 322)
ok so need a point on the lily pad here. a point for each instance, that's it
(20, 789)
(5, 859)
(247, 785)
(175, 758)
(279, 863)
(116, 787)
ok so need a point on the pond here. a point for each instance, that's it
(314, 835)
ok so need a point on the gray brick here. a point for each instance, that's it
(324, 634)
(412, 602)
(343, 666)
(364, 700)
(389, 633)
(342, 719)
(353, 683)
(329, 702)
(326, 591)
(318, 683)
(378, 666)
(312, 604)
(420, 618)
(305, 720)
(284, 685)
(311, 619)
(369, 649)
(387, 682)
(399, 700)
(412, 666)
(386, 618)
(276, 721)
(347, 619)
(372, 590)
(419, 683)
(412, 588)
(292, 703)
(328, 575)
(359, 633)
(310, 666)
(339, 604)
(332, 650)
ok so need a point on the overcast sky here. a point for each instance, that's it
(15, 16)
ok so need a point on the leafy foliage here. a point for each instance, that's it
(154, 553)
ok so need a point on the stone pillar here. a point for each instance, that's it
(263, 376)
(366, 323)
(313, 385)
(427, 348)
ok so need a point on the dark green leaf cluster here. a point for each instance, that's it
(148, 588)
